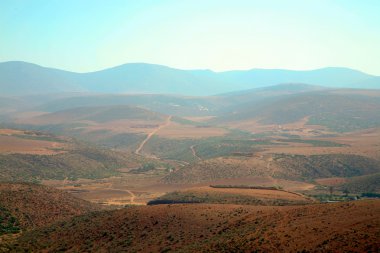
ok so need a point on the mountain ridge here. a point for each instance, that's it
(23, 78)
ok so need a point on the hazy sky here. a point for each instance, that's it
(87, 35)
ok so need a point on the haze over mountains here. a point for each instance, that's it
(239, 140)
(21, 78)
(260, 131)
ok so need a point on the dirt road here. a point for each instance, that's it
(133, 196)
(194, 152)
(151, 134)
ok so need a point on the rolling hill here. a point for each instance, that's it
(21, 78)
(111, 126)
(293, 167)
(167, 104)
(362, 184)
(57, 158)
(329, 77)
(98, 114)
(84, 163)
(338, 110)
(272, 91)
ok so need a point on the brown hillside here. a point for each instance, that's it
(36, 205)
(77, 160)
(338, 227)
(219, 168)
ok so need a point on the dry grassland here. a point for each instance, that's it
(16, 145)
(179, 131)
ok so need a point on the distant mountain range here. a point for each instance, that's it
(21, 78)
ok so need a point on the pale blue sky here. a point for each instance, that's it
(88, 35)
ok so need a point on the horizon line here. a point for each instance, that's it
(194, 69)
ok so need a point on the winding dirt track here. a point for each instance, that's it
(131, 200)
(151, 134)
(133, 196)
(194, 152)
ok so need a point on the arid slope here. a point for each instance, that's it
(337, 227)
(36, 205)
